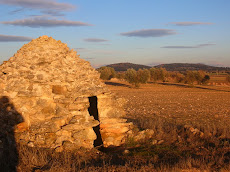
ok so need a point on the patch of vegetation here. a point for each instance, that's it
(106, 73)
(207, 143)
(137, 77)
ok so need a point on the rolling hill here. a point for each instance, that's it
(191, 66)
(169, 67)
(124, 66)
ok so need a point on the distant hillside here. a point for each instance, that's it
(190, 66)
(125, 66)
(169, 67)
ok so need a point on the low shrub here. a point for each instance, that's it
(106, 73)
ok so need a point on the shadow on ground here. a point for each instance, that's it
(193, 86)
(9, 118)
(116, 84)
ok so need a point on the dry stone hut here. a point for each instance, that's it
(60, 98)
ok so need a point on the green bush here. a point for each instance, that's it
(177, 77)
(106, 73)
(200, 77)
(136, 77)
(131, 77)
(158, 74)
(190, 77)
(143, 75)
(205, 79)
(120, 75)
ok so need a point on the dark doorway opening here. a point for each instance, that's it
(93, 111)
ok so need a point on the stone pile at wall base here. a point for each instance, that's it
(50, 88)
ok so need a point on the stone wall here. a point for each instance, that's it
(50, 87)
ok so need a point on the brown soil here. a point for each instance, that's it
(203, 104)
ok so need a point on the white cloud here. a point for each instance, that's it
(190, 23)
(11, 38)
(44, 22)
(149, 33)
(98, 51)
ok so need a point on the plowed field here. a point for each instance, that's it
(203, 104)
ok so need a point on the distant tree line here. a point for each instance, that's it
(142, 76)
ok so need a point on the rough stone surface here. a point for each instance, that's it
(49, 86)
(144, 135)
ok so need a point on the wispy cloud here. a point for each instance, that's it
(187, 47)
(205, 45)
(97, 51)
(179, 46)
(145, 33)
(42, 5)
(35, 22)
(95, 40)
(53, 12)
(139, 48)
(11, 38)
(190, 23)
(80, 48)
(16, 11)
(154, 63)
(89, 58)
(217, 63)
(98, 65)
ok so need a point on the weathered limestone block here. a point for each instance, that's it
(72, 127)
(59, 121)
(113, 131)
(80, 119)
(143, 135)
(78, 106)
(109, 107)
(62, 139)
(63, 100)
(44, 127)
(64, 133)
(50, 138)
(85, 134)
(80, 126)
(80, 113)
(59, 89)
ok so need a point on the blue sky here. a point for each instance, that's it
(146, 32)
